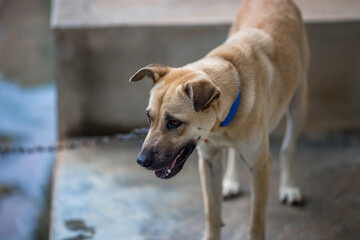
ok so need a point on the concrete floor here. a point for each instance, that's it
(103, 194)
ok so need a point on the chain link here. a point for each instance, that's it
(138, 133)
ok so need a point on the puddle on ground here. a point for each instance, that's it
(8, 190)
(77, 225)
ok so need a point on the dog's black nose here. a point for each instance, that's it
(144, 160)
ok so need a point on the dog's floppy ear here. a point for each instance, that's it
(154, 71)
(201, 93)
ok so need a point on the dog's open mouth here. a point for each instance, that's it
(177, 164)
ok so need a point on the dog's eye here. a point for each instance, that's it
(173, 123)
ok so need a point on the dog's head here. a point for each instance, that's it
(180, 113)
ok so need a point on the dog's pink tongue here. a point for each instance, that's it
(173, 163)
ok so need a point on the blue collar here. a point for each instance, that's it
(232, 111)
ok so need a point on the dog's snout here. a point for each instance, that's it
(144, 160)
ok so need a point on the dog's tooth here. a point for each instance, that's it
(169, 171)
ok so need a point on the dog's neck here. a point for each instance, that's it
(219, 69)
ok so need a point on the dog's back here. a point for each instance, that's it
(268, 36)
(281, 19)
(271, 16)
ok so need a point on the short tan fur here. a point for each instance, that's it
(266, 55)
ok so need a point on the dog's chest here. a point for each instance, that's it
(220, 138)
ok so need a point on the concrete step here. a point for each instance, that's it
(101, 193)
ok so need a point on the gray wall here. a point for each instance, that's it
(25, 41)
(94, 65)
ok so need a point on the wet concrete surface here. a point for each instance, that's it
(106, 195)
(27, 117)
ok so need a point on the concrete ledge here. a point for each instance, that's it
(100, 13)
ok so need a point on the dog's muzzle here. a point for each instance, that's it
(170, 167)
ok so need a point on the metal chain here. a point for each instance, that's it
(136, 134)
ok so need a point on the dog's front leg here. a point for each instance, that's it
(210, 166)
(259, 172)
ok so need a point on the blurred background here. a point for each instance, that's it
(64, 70)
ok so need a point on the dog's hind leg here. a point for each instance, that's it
(289, 193)
(231, 179)
(210, 167)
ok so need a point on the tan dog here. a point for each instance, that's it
(266, 57)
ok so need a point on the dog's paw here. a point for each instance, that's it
(230, 189)
(291, 196)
